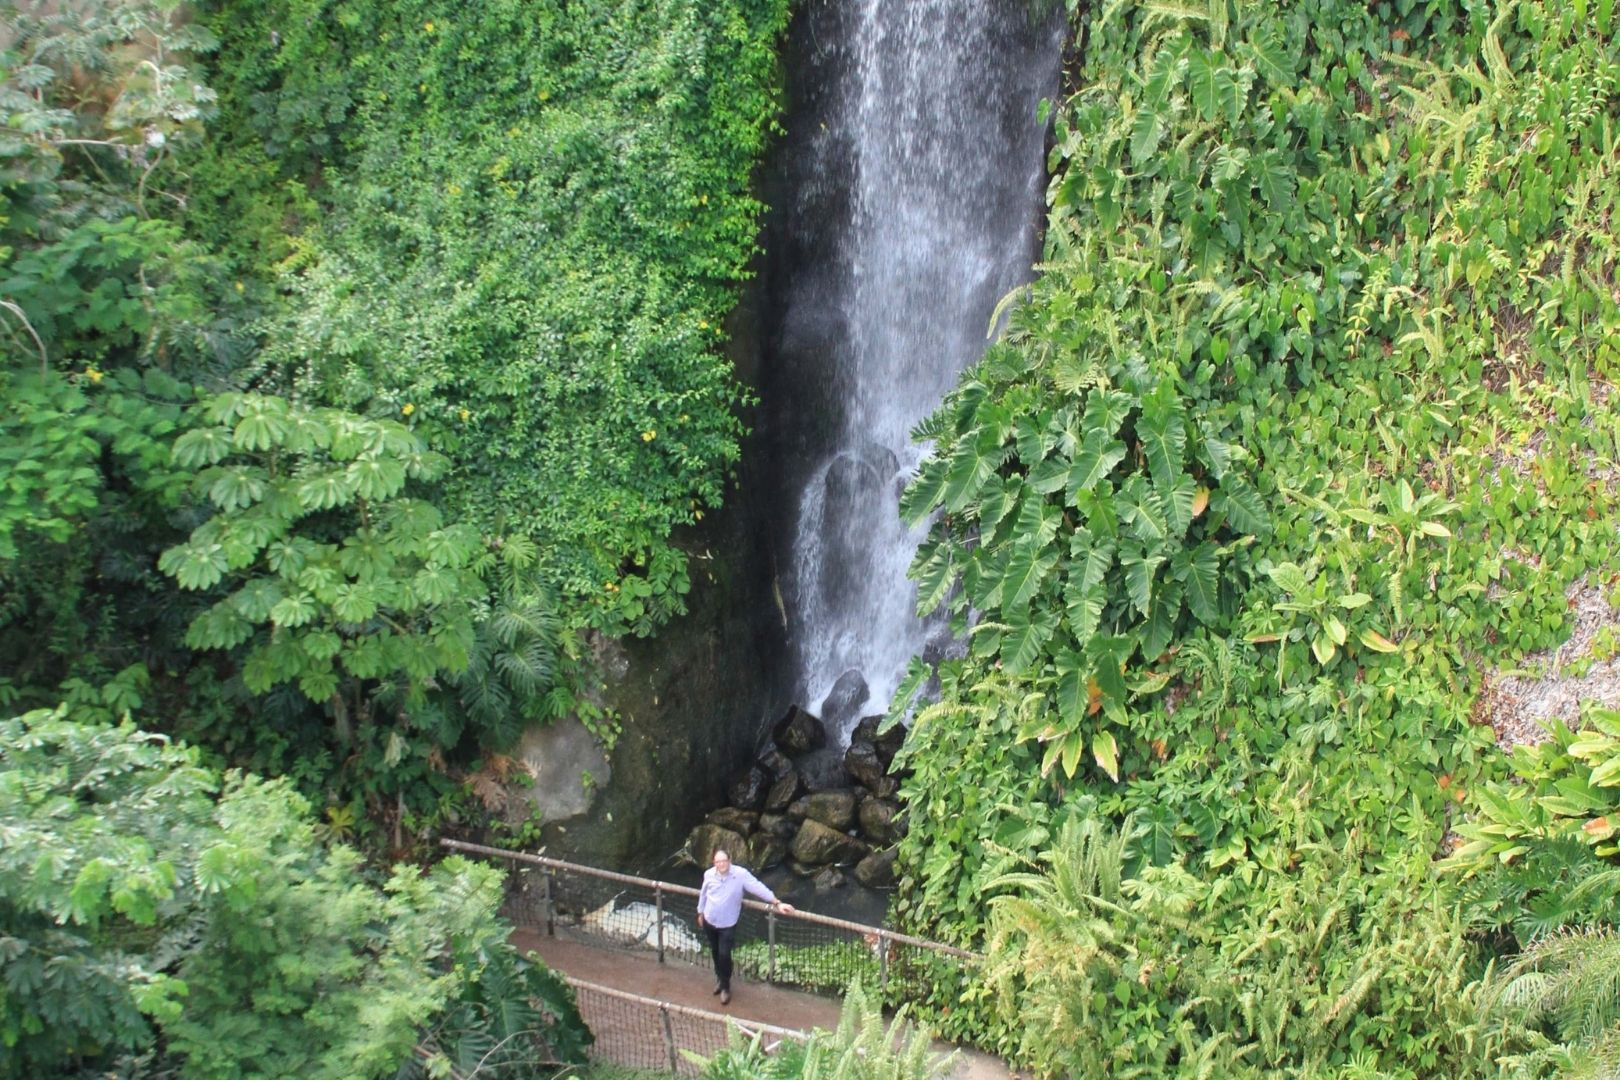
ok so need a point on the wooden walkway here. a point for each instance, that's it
(630, 1036)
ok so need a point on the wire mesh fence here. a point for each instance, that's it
(803, 950)
(644, 1033)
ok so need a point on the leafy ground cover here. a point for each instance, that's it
(363, 359)
(1305, 428)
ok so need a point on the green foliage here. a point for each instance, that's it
(1346, 267)
(1565, 983)
(146, 903)
(543, 290)
(861, 1048)
(1568, 786)
(1108, 967)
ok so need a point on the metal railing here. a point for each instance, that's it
(812, 952)
(645, 1033)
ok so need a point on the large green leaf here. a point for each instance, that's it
(1163, 435)
(1086, 594)
(935, 573)
(1027, 567)
(1198, 569)
(1025, 637)
(1099, 453)
(1139, 567)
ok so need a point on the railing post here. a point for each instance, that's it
(658, 902)
(770, 939)
(551, 907)
(883, 961)
(669, 1039)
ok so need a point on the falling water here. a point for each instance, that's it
(917, 199)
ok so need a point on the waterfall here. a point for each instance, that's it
(916, 195)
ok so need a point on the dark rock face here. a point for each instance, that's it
(798, 732)
(844, 700)
(876, 871)
(707, 839)
(879, 821)
(829, 878)
(817, 845)
(748, 789)
(824, 770)
(783, 792)
(780, 826)
(835, 809)
(888, 744)
(738, 821)
(864, 764)
(765, 851)
(775, 762)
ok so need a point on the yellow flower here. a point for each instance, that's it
(698, 515)
(648, 436)
(703, 324)
(704, 199)
(93, 374)
(428, 26)
(464, 414)
(407, 408)
(684, 418)
(238, 286)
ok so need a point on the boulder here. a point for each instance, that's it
(765, 851)
(823, 770)
(738, 821)
(747, 791)
(782, 792)
(817, 845)
(876, 871)
(798, 732)
(798, 869)
(888, 744)
(843, 702)
(780, 826)
(828, 878)
(886, 788)
(862, 762)
(879, 823)
(833, 808)
(706, 839)
(775, 762)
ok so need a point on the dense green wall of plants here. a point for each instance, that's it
(459, 279)
(1305, 425)
(520, 227)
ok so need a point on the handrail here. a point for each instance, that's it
(549, 863)
(687, 1010)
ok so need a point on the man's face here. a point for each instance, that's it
(722, 862)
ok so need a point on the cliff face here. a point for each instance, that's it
(692, 703)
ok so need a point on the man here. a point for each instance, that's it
(719, 907)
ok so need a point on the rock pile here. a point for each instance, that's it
(814, 807)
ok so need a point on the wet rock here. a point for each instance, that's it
(824, 770)
(799, 869)
(748, 789)
(829, 878)
(844, 700)
(798, 732)
(783, 792)
(765, 851)
(886, 788)
(835, 809)
(817, 845)
(862, 762)
(780, 826)
(888, 744)
(876, 871)
(738, 821)
(775, 762)
(879, 821)
(706, 839)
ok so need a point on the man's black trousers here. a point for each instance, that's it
(721, 938)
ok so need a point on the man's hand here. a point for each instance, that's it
(700, 919)
(784, 907)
